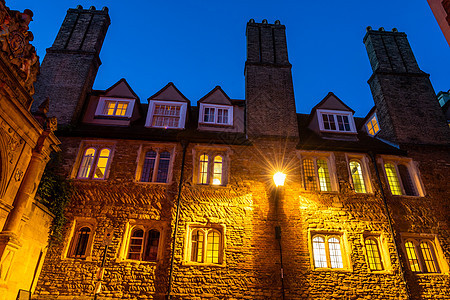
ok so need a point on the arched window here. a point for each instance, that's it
(102, 163)
(217, 172)
(327, 252)
(81, 242)
(144, 244)
(197, 245)
(357, 177)
(92, 156)
(86, 163)
(149, 166)
(373, 254)
(206, 246)
(203, 169)
(324, 175)
(392, 177)
(422, 256)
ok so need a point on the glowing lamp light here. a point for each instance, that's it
(216, 181)
(279, 178)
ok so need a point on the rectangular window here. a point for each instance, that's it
(402, 177)
(95, 163)
(211, 167)
(216, 114)
(327, 251)
(110, 107)
(336, 121)
(167, 116)
(205, 244)
(372, 126)
(422, 254)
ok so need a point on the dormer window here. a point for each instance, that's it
(166, 114)
(111, 107)
(372, 126)
(216, 114)
(336, 121)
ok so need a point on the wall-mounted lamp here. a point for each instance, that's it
(279, 178)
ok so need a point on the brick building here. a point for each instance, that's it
(26, 142)
(177, 198)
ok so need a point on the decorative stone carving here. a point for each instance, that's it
(18, 175)
(15, 44)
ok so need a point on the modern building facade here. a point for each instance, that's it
(176, 198)
(26, 142)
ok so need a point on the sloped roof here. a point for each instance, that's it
(216, 96)
(169, 93)
(120, 89)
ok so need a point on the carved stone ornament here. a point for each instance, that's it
(13, 145)
(18, 175)
(15, 44)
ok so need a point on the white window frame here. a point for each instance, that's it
(98, 147)
(335, 113)
(368, 121)
(212, 152)
(141, 160)
(147, 226)
(103, 100)
(345, 254)
(364, 162)
(314, 156)
(151, 109)
(440, 262)
(413, 173)
(216, 107)
(190, 227)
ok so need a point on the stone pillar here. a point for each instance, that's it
(9, 241)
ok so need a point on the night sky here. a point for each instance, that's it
(200, 44)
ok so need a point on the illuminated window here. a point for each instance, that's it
(166, 114)
(81, 241)
(94, 163)
(357, 177)
(216, 114)
(110, 107)
(144, 244)
(211, 168)
(155, 167)
(373, 254)
(399, 178)
(206, 245)
(421, 255)
(372, 126)
(316, 174)
(327, 251)
(337, 121)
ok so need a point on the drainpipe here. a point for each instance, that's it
(184, 144)
(386, 208)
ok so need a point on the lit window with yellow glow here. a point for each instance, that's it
(316, 174)
(327, 251)
(94, 157)
(400, 179)
(211, 168)
(373, 254)
(115, 108)
(206, 245)
(357, 177)
(372, 125)
(422, 257)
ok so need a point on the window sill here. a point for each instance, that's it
(213, 185)
(90, 179)
(332, 270)
(87, 258)
(382, 272)
(136, 262)
(109, 117)
(429, 274)
(321, 192)
(197, 264)
(153, 183)
(166, 127)
(408, 196)
(215, 125)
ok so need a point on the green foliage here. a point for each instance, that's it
(55, 191)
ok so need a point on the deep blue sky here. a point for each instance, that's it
(198, 44)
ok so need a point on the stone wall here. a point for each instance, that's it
(248, 209)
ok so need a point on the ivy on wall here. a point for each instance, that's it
(55, 191)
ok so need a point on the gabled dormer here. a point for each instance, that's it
(332, 118)
(217, 112)
(167, 109)
(118, 105)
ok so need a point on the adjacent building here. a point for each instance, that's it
(175, 198)
(26, 142)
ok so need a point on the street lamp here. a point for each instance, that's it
(279, 178)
